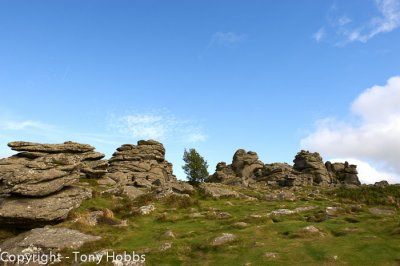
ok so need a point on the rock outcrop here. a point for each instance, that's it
(344, 173)
(275, 173)
(41, 169)
(242, 171)
(36, 184)
(144, 166)
(30, 212)
(44, 240)
(309, 164)
(141, 165)
(308, 170)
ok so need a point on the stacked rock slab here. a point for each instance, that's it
(310, 165)
(242, 171)
(36, 184)
(276, 174)
(344, 173)
(144, 166)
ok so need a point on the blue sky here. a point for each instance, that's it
(267, 76)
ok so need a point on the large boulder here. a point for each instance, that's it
(144, 166)
(311, 164)
(275, 173)
(42, 169)
(38, 177)
(218, 191)
(244, 164)
(44, 240)
(242, 171)
(344, 173)
(30, 212)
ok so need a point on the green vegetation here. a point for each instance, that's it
(352, 235)
(195, 166)
(370, 195)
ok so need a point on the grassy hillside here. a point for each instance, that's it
(360, 227)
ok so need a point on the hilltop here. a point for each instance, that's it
(66, 197)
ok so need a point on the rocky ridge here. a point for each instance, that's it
(38, 185)
(308, 170)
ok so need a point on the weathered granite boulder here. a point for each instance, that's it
(44, 240)
(343, 173)
(274, 173)
(242, 171)
(382, 183)
(37, 185)
(245, 163)
(311, 164)
(144, 166)
(218, 191)
(30, 212)
(224, 174)
(42, 169)
(91, 161)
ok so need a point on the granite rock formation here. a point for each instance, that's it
(308, 170)
(30, 212)
(144, 166)
(344, 173)
(242, 171)
(44, 240)
(308, 164)
(36, 184)
(275, 173)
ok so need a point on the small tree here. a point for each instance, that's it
(195, 166)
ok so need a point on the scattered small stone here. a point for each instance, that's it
(271, 255)
(145, 210)
(241, 224)
(382, 211)
(196, 215)
(168, 235)
(165, 247)
(312, 231)
(219, 215)
(282, 212)
(123, 223)
(288, 212)
(223, 239)
(332, 211)
(258, 244)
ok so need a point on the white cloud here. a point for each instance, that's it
(374, 137)
(319, 35)
(343, 20)
(196, 137)
(226, 38)
(386, 20)
(144, 126)
(156, 125)
(22, 125)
